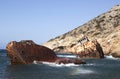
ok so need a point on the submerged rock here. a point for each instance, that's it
(25, 52)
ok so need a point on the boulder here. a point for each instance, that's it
(26, 52)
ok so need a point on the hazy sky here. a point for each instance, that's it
(41, 20)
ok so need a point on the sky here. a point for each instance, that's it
(42, 20)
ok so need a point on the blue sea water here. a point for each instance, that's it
(107, 68)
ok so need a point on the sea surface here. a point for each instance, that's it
(107, 68)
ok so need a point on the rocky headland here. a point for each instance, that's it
(105, 28)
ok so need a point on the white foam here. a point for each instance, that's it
(54, 64)
(59, 65)
(67, 56)
(110, 57)
(34, 62)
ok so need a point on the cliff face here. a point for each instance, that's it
(105, 28)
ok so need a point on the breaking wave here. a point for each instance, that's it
(111, 57)
(67, 56)
(55, 65)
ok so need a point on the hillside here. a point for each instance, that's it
(105, 28)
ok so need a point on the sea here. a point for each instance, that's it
(107, 68)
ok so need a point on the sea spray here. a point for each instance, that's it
(111, 57)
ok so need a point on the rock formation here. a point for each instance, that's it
(105, 28)
(25, 52)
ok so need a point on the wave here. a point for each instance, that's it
(75, 69)
(111, 57)
(54, 64)
(67, 56)
(75, 56)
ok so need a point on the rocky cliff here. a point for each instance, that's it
(105, 28)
